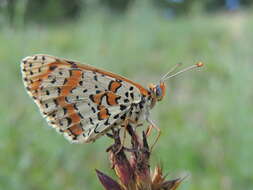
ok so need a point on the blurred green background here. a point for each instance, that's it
(206, 117)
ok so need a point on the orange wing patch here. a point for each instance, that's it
(114, 86)
(71, 82)
(97, 98)
(103, 114)
(112, 98)
(76, 130)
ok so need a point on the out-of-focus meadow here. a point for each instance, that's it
(205, 118)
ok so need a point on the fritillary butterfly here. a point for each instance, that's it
(83, 102)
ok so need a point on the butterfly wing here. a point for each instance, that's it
(78, 100)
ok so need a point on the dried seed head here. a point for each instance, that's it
(107, 182)
(133, 171)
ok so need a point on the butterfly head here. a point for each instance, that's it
(158, 91)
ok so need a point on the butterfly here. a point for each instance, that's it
(83, 102)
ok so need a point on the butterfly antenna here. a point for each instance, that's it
(170, 71)
(167, 76)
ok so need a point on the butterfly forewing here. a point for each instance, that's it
(80, 101)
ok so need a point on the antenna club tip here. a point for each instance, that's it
(199, 64)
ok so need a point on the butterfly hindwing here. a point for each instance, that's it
(80, 101)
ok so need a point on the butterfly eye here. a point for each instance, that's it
(158, 92)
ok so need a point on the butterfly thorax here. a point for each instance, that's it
(140, 111)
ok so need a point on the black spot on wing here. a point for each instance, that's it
(81, 116)
(91, 121)
(65, 81)
(95, 130)
(74, 136)
(69, 120)
(70, 72)
(132, 95)
(123, 117)
(75, 107)
(89, 131)
(93, 109)
(126, 100)
(64, 111)
(117, 99)
(91, 97)
(53, 81)
(107, 122)
(52, 67)
(66, 99)
(72, 63)
(122, 107)
(116, 116)
(59, 90)
(56, 102)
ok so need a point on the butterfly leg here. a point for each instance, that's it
(125, 124)
(148, 132)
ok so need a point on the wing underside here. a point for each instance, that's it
(78, 100)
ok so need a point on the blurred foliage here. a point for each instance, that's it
(53, 11)
(46, 11)
(184, 7)
(120, 6)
